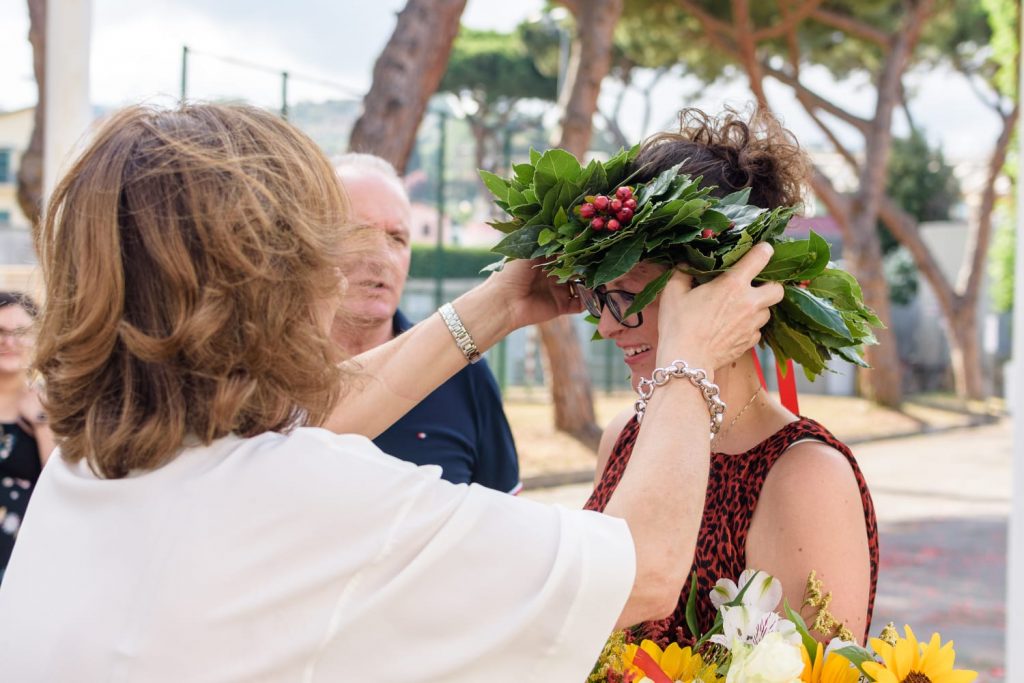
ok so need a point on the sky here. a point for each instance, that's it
(137, 54)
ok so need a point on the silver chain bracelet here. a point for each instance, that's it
(697, 377)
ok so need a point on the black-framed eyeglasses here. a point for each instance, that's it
(617, 301)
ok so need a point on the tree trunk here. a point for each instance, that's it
(481, 136)
(747, 51)
(965, 352)
(589, 63)
(406, 74)
(571, 391)
(863, 252)
(883, 383)
(30, 171)
(885, 380)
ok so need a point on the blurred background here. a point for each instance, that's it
(908, 109)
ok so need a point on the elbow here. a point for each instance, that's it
(664, 589)
(665, 606)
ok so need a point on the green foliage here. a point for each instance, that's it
(490, 66)
(1005, 53)
(1003, 22)
(924, 185)
(678, 223)
(901, 274)
(655, 31)
(1001, 260)
(919, 179)
(979, 39)
(457, 262)
(542, 40)
(658, 33)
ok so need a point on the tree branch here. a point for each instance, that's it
(819, 102)
(905, 104)
(840, 148)
(788, 23)
(980, 235)
(574, 6)
(706, 19)
(838, 206)
(993, 102)
(852, 26)
(746, 47)
(615, 130)
(905, 229)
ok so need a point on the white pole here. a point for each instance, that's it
(68, 112)
(1015, 536)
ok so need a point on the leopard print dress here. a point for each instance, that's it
(734, 485)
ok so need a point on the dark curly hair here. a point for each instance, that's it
(19, 299)
(731, 151)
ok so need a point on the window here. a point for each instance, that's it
(6, 174)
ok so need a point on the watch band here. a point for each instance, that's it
(462, 337)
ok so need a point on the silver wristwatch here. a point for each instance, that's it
(462, 338)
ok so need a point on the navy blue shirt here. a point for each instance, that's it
(461, 426)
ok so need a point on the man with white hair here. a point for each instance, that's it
(461, 426)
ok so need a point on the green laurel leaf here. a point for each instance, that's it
(620, 260)
(649, 293)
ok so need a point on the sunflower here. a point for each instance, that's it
(910, 662)
(831, 669)
(678, 663)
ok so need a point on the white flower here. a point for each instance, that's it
(749, 625)
(764, 593)
(773, 660)
(838, 644)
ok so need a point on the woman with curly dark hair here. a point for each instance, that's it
(784, 495)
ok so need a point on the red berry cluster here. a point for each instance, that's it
(607, 213)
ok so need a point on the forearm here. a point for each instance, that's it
(661, 497)
(394, 377)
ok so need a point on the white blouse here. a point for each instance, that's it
(304, 557)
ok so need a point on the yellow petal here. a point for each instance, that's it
(958, 676)
(904, 658)
(879, 673)
(651, 648)
(883, 650)
(672, 661)
(838, 670)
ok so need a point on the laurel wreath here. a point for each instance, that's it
(677, 222)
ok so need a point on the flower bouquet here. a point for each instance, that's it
(593, 224)
(750, 642)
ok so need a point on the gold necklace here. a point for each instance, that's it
(749, 403)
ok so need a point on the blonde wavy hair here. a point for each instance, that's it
(189, 258)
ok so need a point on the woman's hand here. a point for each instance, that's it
(711, 326)
(530, 295)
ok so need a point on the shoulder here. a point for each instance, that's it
(614, 429)
(313, 462)
(810, 469)
(610, 437)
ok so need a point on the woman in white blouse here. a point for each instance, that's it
(217, 511)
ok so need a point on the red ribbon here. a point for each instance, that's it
(787, 383)
(646, 663)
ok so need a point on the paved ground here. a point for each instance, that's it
(942, 502)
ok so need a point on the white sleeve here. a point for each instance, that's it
(476, 585)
